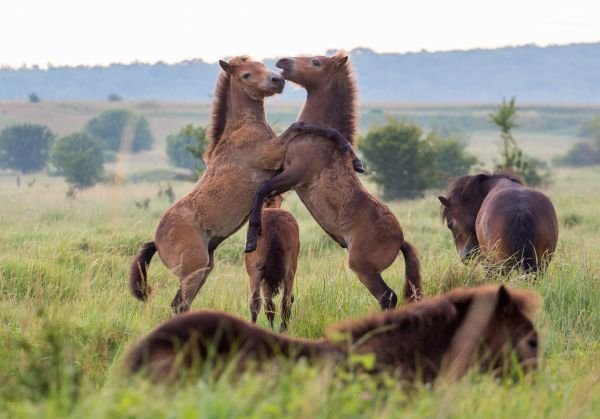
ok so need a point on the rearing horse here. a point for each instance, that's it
(328, 187)
(244, 152)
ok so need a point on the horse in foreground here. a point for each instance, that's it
(273, 266)
(486, 327)
(496, 215)
(328, 186)
(243, 153)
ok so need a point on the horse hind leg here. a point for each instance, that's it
(370, 275)
(269, 304)
(194, 273)
(255, 297)
(287, 299)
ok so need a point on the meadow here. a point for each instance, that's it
(67, 317)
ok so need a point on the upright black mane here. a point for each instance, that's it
(346, 101)
(219, 112)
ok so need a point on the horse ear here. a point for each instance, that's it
(505, 302)
(445, 202)
(341, 61)
(225, 66)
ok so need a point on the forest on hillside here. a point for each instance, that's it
(554, 74)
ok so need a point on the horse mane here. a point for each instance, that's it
(433, 312)
(346, 100)
(220, 107)
(470, 187)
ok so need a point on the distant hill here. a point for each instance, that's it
(555, 74)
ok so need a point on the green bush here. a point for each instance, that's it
(78, 157)
(110, 127)
(405, 164)
(512, 158)
(25, 147)
(185, 148)
(584, 153)
(581, 154)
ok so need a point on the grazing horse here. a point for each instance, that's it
(488, 327)
(273, 265)
(327, 186)
(496, 215)
(243, 153)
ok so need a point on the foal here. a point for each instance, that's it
(243, 153)
(273, 265)
(487, 327)
(329, 188)
(510, 224)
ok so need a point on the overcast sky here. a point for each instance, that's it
(104, 31)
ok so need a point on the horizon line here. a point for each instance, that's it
(49, 65)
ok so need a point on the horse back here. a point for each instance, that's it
(518, 221)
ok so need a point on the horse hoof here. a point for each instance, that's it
(250, 246)
(358, 166)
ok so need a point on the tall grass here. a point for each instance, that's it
(67, 318)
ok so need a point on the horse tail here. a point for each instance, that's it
(274, 265)
(522, 238)
(413, 288)
(138, 284)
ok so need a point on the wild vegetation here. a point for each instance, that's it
(67, 317)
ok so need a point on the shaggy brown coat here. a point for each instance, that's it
(243, 153)
(273, 265)
(485, 327)
(501, 219)
(327, 185)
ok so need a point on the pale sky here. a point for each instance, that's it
(71, 32)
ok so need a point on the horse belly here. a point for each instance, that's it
(327, 213)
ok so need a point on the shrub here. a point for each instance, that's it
(78, 157)
(25, 147)
(405, 164)
(185, 148)
(512, 158)
(110, 127)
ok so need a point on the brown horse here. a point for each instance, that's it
(273, 265)
(510, 224)
(243, 153)
(486, 327)
(328, 187)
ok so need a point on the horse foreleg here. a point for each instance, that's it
(331, 134)
(277, 185)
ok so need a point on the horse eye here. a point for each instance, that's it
(533, 343)
(246, 76)
(316, 63)
(451, 225)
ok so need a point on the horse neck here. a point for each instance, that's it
(323, 108)
(243, 109)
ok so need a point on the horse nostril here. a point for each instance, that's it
(276, 79)
(283, 63)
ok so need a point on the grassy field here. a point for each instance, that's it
(544, 131)
(67, 318)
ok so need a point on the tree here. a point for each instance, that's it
(405, 164)
(511, 155)
(78, 157)
(113, 97)
(186, 148)
(25, 147)
(34, 98)
(142, 137)
(110, 127)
